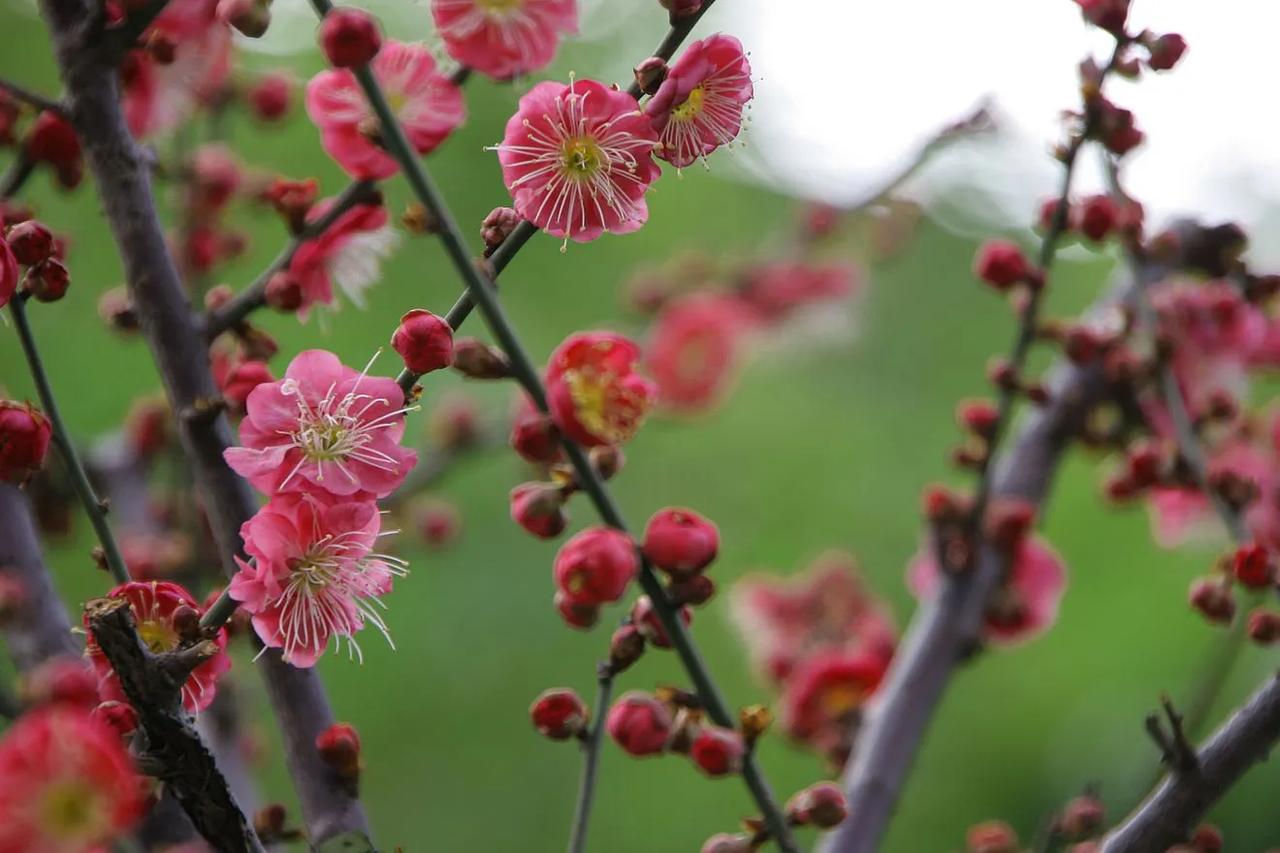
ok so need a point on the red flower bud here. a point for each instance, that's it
(608, 460)
(822, 805)
(147, 426)
(991, 837)
(645, 617)
(1109, 15)
(1213, 599)
(680, 541)
(1252, 566)
(24, 441)
(625, 647)
(576, 614)
(497, 227)
(1166, 51)
(640, 724)
(349, 37)
(595, 566)
(118, 716)
(939, 503)
(30, 241)
(1049, 210)
(1081, 344)
(475, 359)
(696, 590)
(1264, 626)
(48, 280)
(1098, 217)
(559, 714)
(269, 97)
(339, 747)
(1144, 465)
(1001, 264)
(1009, 520)
(241, 380)
(53, 141)
(1207, 838)
(283, 292)
(437, 521)
(424, 341)
(650, 73)
(717, 752)
(534, 436)
(539, 509)
(978, 416)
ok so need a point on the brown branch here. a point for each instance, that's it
(1173, 810)
(35, 99)
(945, 631)
(153, 685)
(123, 180)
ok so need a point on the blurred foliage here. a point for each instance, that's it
(819, 447)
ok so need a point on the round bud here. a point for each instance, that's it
(437, 521)
(339, 747)
(822, 805)
(539, 509)
(1252, 566)
(534, 436)
(717, 751)
(559, 714)
(49, 280)
(596, 565)
(645, 617)
(1264, 626)
(1001, 264)
(576, 614)
(1166, 51)
(475, 359)
(1098, 217)
(424, 340)
(497, 227)
(1213, 599)
(270, 96)
(283, 292)
(640, 724)
(30, 241)
(625, 647)
(680, 541)
(24, 441)
(119, 716)
(349, 37)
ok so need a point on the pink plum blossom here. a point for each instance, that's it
(314, 574)
(695, 349)
(349, 254)
(324, 427)
(504, 38)
(427, 104)
(698, 108)
(1025, 607)
(577, 160)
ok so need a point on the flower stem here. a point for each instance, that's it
(484, 293)
(591, 760)
(93, 505)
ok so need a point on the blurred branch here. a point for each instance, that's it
(16, 175)
(40, 102)
(947, 629)
(590, 762)
(39, 628)
(122, 176)
(1172, 811)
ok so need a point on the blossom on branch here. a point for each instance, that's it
(699, 107)
(594, 393)
(349, 254)
(504, 39)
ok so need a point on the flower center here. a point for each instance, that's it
(499, 6)
(840, 699)
(158, 636)
(692, 106)
(581, 158)
(68, 811)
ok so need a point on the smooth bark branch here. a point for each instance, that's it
(948, 629)
(123, 180)
(1168, 816)
(153, 685)
(39, 628)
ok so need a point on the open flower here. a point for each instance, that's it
(427, 105)
(160, 95)
(314, 575)
(1025, 607)
(594, 393)
(826, 690)
(68, 785)
(324, 427)
(504, 38)
(698, 108)
(577, 160)
(695, 348)
(349, 254)
(154, 604)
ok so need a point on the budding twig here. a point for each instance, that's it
(94, 507)
(483, 292)
(1176, 751)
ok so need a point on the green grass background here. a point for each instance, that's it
(817, 449)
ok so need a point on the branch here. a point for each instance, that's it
(1173, 810)
(244, 303)
(39, 629)
(947, 629)
(590, 761)
(483, 291)
(40, 102)
(94, 506)
(16, 175)
(153, 685)
(123, 179)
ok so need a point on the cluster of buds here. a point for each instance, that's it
(31, 263)
(673, 721)
(1252, 566)
(821, 806)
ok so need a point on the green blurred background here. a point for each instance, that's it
(819, 447)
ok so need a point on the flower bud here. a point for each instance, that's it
(1009, 520)
(48, 280)
(978, 417)
(993, 836)
(52, 140)
(1213, 599)
(534, 436)
(723, 842)
(30, 241)
(249, 17)
(454, 422)
(1098, 217)
(1207, 838)
(650, 74)
(292, 200)
(147, 426)
(1165, 51)
(1264, 626)
(475, 359)
(283, 292)
(241, 380)
(822, 805)
(539, 509)
(1001, 264)
(717, 751)
(339, 747)
(697, 590)
(596, 565)
(640, 724)
(645, 617)
(559, 714)
(437, 521)
(24, 441)
(1081, 344)
(424, 340)
(681, 8)
(1109, 15)
(270, 96)
(576, 614)
(497, 227)
(349, 37)
(625, 647)
(118, 716)
(608, 460)
(1082, 817)
(938, 504)
(680, 541)
(1252, 566)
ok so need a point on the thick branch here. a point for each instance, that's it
(39, 629)
(123, 181)
(1173, 809)
(153, 684)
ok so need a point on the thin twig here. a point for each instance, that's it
(35, 99)
(590, 761)
(94, 506)
(1173, 810)
(484, 292)
(16, 175)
